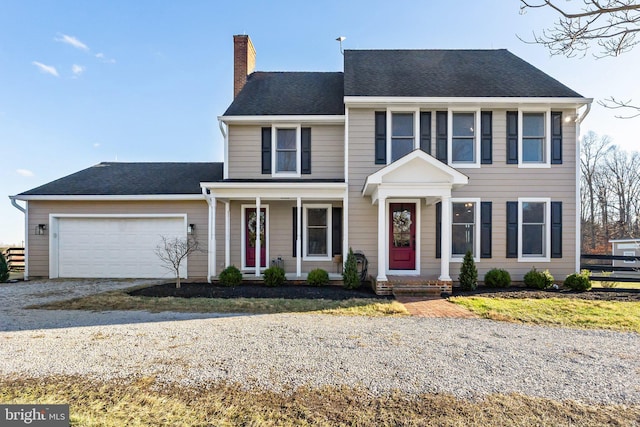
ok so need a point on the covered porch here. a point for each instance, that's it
(402, 191)
(294, 228)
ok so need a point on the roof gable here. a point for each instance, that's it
(446, 73)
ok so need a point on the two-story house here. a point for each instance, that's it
(411, 156)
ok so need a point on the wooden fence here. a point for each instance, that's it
(604, 263)
(15, 258)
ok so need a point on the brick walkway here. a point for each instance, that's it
(434, 307)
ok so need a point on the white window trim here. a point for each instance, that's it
(476, 200)
(477, 135)
(243, 236)
(547, 229)
(547, 138)
(274, 150)
(305, 232)
(416, 128)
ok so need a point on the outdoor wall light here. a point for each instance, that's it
(41, 228)
(191, 228)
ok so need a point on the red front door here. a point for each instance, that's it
(250, 237)
(402, 236)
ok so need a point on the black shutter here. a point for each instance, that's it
(305, 143)
(556, 229)
(425, 131)
(441, 136)
(336, 232)
(485, 230)
(486, 138)
(381, 137)
(295, 230)
(512, 137)
(266, 150)
(556, 137)
(438, 230)
(512, 229)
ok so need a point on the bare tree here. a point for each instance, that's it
(610, 24)
(172, 251)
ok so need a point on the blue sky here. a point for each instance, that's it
(85, 82)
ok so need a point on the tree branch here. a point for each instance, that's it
(615, 104)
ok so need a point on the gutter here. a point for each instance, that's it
(26, 235)
(210, 222)
(583, 115)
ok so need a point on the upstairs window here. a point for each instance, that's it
(533, 138)
(463, 138)
(402, 138)
(286, 153)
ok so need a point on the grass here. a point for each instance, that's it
(120, 300)
(568, 312)
(623, 285)
(143, 402)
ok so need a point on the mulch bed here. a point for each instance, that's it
(208, 290)
(612, 294)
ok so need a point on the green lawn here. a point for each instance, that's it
(570, 312)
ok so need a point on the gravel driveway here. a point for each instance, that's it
(464, 357)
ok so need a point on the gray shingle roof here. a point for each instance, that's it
(110, 178)
(446, 73)
(289, 93)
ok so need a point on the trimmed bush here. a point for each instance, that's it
(350, 276)
(468, 273)
(274, 276)
(318, 277)
(230, 276)
(4, 269)
(538, 279)
(578, 281)
(497, 278)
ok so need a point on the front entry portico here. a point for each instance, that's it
(415, 180)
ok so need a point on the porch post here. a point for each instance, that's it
(298, 239)
(445, 239)
(345, 227)
(382, 239)
(258, 242)
(227, 233)
(212, 239)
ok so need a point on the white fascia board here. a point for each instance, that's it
(277, 190)
(327, 119)
(355, 101)
(112, 198)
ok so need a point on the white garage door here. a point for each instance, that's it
(114, 247)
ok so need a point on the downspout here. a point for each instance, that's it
(26, 235)
(583, 115)
(223, 131)
(578, 243)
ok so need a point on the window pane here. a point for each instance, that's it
(400, 147)
(462, 239)
(402, 124)
(532, 212)
(286, 161)
(287, 139)
(317, 244)
(463, 213)
(462, 150)
(532, 150)
(463, 124)
(317, 217)
(533, 124)
(532, 240)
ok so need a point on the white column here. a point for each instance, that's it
(212, 239)
(298, 237)
(227, 234)
(345, 227)
(445, 239)
(382, 239)
(258, 240)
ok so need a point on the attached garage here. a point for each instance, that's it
(112, 246)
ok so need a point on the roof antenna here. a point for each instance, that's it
(341, 39)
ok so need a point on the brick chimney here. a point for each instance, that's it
(244, 61)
